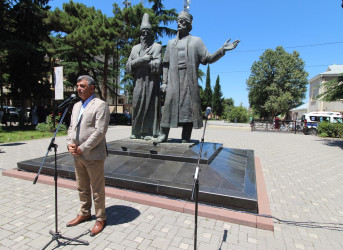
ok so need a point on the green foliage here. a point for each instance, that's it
(207, 95)
(228, 104)
(17, 133)
(339, 131)
(240, 114)
(82, 33)
(326, 129)
(48, 126)
(323, 134)
(201, 75)
(22, 37)
(277, 82)
(333, 90)
(218, 106)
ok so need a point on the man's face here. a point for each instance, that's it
(84, 90)
(181, 24)
(145, 35)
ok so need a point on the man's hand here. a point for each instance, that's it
(146, 58)
(230, 46)
(74, 149)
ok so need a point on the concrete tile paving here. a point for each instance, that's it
(303, 176)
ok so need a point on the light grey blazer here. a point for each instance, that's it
(89, 133)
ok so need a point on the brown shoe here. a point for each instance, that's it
(79, 219)
(98, 227)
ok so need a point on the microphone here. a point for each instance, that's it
(208, 111)
(66, 101)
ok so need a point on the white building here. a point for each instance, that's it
(316, 88)
(297, 112)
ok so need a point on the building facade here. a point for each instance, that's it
(316, 88)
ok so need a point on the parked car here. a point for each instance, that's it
(311, 120)
(120, 119)
(10, 114)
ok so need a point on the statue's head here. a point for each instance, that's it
(184, 21)
(146, 31)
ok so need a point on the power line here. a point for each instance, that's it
(288, 47)
(245, 71)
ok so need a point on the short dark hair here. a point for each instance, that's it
(88, 78)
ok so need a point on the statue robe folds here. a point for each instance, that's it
(196, 53)
(146, 102)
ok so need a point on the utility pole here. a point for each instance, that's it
(186, 4)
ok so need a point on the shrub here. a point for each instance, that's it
(340, 130)
(326, 129)
(49, 124)
(323, 134)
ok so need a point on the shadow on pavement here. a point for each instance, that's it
(119, 214)
(332, 142)
(12, 144)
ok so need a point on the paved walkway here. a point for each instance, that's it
(303, 176)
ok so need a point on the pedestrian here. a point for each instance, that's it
(180, 79)
(34, 115)
(86, 142)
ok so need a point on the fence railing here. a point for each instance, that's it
(291, 126)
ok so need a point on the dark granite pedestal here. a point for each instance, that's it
(227, 176)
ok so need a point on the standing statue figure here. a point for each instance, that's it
(180, 79)
(145, 65)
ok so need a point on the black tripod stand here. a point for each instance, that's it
(56, 235)
(195, 191)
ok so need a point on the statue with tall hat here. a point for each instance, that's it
(144, 64)
(182, 105)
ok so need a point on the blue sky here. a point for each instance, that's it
(313, 28)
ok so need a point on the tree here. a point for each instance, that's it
(162, 19)
(207, 97)
(228, 104)
(277, 82)
(218, 105)
(22, 50)
(84, 42)
(239, 114)
(333, 90)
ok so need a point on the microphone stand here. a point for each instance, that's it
(56, 235)
(195, 190)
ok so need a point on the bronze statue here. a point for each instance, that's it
(180, 79)
(145, 65)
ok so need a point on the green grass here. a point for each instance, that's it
(16, 133)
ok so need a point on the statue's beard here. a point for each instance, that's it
(146, 42)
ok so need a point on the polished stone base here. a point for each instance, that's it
(227, 176)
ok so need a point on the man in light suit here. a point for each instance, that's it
(86, 142)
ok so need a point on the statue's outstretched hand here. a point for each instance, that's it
(230, 46)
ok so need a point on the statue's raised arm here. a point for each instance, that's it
(230, 46)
